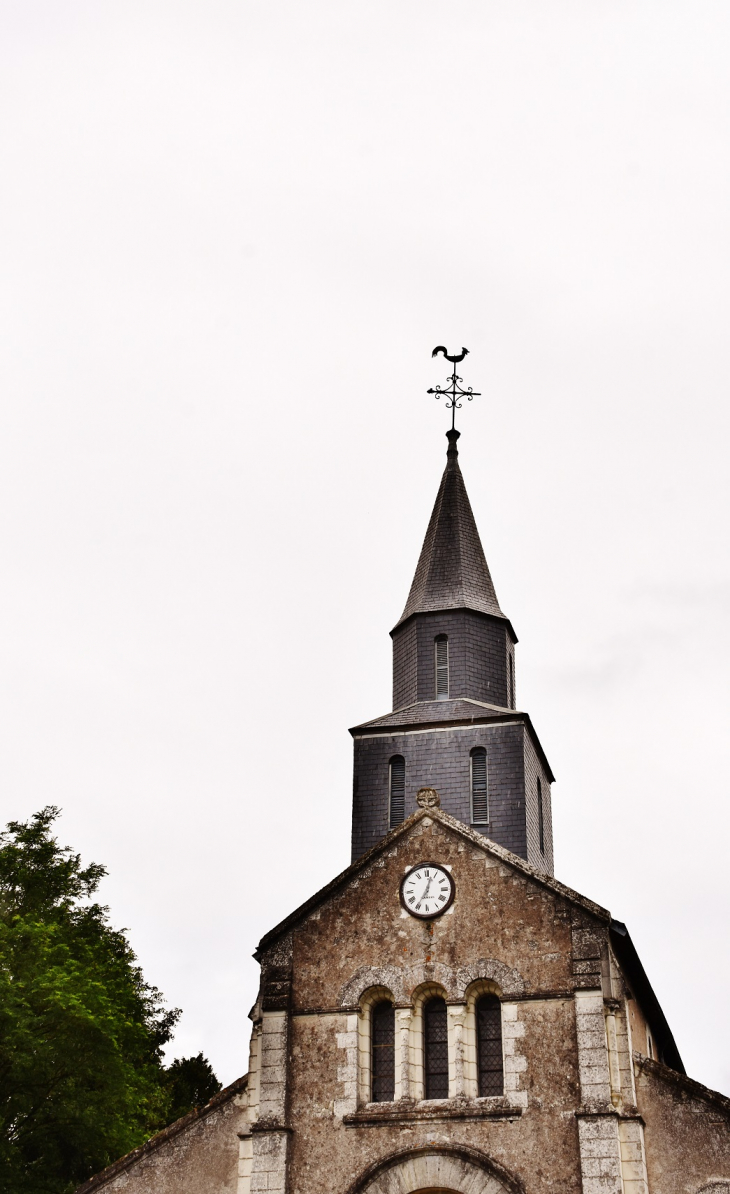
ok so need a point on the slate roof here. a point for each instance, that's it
(436, 712)
(459, 711)
(452, 571)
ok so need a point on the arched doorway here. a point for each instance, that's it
(449, 1169)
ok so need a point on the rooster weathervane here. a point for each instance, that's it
(453, 392)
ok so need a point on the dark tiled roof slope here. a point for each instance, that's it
(436, 712)
(460, 711)
(452, 571)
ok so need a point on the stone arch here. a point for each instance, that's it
(370, 997)
(721, 1186)
(432, 972)
(509, 981)
(451, 1169)
(373, 976)
(416, 1042)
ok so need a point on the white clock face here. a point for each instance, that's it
(427, 890)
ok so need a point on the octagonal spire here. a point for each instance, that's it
(452, 570)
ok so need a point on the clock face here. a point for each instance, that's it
(427, 890)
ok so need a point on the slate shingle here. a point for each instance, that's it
(452, 570)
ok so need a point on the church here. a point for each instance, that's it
(445, 1016)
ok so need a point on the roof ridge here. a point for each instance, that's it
(676, 1078)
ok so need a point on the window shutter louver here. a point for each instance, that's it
(479, 794)
(442, 666)
(540, 817)
(397, 790)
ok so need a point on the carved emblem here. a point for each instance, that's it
(428, 798)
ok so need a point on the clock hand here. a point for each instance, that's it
(427, 888)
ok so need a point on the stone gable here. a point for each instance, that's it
(499, 913)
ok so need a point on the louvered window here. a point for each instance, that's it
(441, 645)
(435, 1049)
(489, 1045)
(512, 701)
(479, 793)
(397, 790)
(383, 1053)
(540, 817)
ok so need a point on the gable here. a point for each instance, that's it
(375, 858)
(505, 924)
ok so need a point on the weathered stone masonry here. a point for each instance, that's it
(593, 1097)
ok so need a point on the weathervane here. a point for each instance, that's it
(453, 392)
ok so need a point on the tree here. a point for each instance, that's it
(192, 1083)
(81, 1033)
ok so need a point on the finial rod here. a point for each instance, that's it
(453, 392)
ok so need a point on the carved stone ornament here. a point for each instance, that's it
(428, 798)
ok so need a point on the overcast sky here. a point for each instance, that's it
(231, 235)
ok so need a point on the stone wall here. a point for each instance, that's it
(197, 1155)
(502, 927)
(579, 1113)
(687, 1131)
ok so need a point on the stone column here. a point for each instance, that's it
(633, 1159)
(403, 1083)
(610, 1131)
(457, 1050)
(515, 1063)
(270, 1133)
(598, 1136)
(348, 1069)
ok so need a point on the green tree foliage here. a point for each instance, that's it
(192, 1083)
(81, 1033)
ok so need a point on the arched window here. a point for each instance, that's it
(540, 817)
(382, 1062)
(511, 694)
(479, 793)
(435, 1049)
(489, 1045)
(397, 781)
(441, 647)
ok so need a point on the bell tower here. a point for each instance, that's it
(455, 725)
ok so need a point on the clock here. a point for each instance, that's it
(427, 890)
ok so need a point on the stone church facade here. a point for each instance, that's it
(446, 1017)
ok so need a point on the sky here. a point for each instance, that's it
(231, 234)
